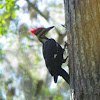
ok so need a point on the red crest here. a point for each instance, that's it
(34, 31)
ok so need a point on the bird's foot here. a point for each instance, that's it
(65, 45)
(65, 59)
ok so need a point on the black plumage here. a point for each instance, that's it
(53, 55)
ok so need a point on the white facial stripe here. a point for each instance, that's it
(42, 33)
(39, 32)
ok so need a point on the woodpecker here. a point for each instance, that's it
(52, 53)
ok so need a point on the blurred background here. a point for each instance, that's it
(23, 74)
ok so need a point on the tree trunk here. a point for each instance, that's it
(83, 31)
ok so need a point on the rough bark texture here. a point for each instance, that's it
(83, 31)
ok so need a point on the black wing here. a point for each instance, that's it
(53, 55)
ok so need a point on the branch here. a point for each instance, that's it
(37, 10)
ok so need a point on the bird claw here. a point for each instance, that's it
(65, 45)
(65, 59)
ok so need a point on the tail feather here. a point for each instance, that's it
(55, 79)
(64, 74)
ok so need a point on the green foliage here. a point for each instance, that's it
(59, 97)
(3, 29)
(7, 14)
(2, 54)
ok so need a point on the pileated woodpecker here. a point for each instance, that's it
(53, 54)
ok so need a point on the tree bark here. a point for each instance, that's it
(83, 32)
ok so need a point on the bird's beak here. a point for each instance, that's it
(49, 28)
(46, 31)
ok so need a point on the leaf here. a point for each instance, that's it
(1, 6)
(14, 15)
(7, 15)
